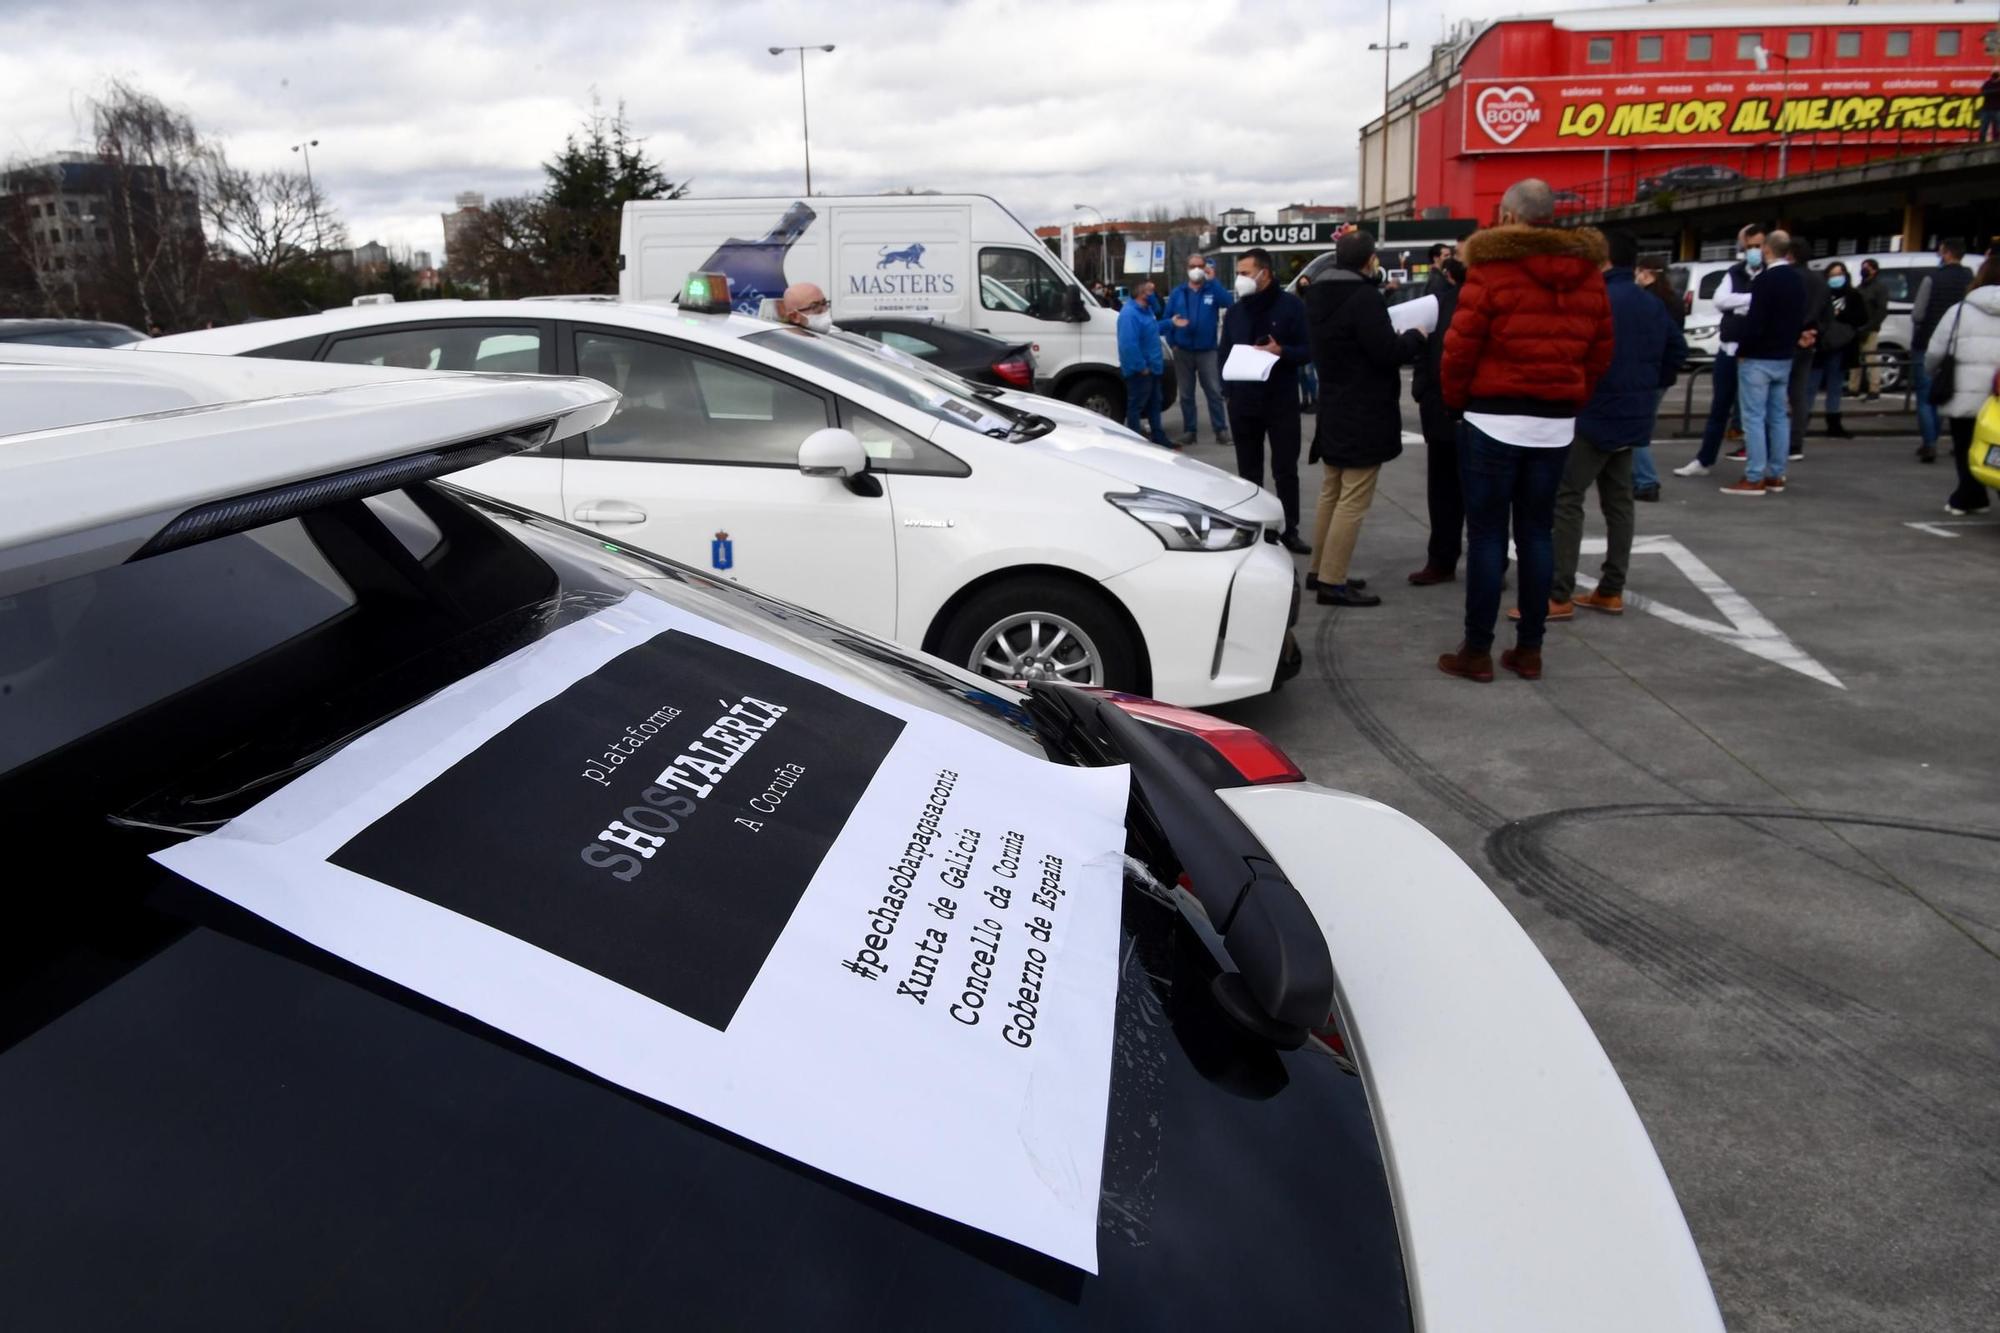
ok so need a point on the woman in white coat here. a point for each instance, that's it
(1970, 333)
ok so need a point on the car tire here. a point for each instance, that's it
(1890, 377)
(1081, 637)
(1100, 393)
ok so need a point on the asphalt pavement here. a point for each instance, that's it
(1754, 824)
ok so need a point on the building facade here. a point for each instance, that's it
(1617, 106)
(466, 210)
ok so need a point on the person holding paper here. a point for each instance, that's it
(1271, 320)
(1142, 362)
(1444, 494)
(1360, 357)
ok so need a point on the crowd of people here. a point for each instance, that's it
(1552, 351)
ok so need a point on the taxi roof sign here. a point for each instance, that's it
(706, 293)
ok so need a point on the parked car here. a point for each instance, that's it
(1005, 541)
(978, 357)
(208, 1115)
(68, 332)
(1695, 176)
(1696, 282)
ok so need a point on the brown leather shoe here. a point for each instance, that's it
(1431, 574)
(1557, 610)
(1611, 605)
(1465, 663)
(1523, 662)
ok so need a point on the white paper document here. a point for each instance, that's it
(1248, 363)
(1420, 314)
(712, 872)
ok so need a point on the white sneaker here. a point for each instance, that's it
(1694, 467)
(1955, 511)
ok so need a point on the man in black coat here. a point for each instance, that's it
(1272, 320)
(1359, 355)
(1444, 494)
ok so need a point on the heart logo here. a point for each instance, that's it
(1506, 113)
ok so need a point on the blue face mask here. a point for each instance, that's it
(1753, 259)
(1836, 282)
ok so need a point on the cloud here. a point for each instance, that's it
(1108, 102)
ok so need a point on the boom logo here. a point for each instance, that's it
(1506, 113)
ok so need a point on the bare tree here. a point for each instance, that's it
(271, 218)
(154, 158)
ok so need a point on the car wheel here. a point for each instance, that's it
(1042, 629)
(1100, 393)
(1890, 373)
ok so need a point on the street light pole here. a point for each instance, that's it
(805, 121)
(1385, 46)
(1103, 244)
(312, 195)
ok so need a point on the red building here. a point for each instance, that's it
(1616, 105)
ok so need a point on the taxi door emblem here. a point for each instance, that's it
(722, 551)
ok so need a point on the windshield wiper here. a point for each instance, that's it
(1283, 984)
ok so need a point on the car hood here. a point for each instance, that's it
(1149, 465)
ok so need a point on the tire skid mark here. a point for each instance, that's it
(1792, 1017)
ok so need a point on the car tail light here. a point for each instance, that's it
(1016, 371)
(1250, 756)
(1687, 300)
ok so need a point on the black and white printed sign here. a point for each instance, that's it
(723, 877)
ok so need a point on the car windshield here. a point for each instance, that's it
(279, 1107)
(867, 368)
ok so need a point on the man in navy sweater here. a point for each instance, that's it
(1270, 319)
(1770, 338)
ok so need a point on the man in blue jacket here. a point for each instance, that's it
(1617, 420)
(1194, 319)
(1272, 320)
(1141, 361)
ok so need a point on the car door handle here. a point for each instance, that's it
(608, 511)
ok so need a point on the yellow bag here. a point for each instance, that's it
(1985, 452)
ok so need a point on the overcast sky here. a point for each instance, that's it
(1039, 104)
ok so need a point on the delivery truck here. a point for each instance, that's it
(959, 259)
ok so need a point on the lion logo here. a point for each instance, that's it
(910, 256)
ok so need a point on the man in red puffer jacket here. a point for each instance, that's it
(1527, 345)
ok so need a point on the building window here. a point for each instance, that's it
(1599, 51)
(1747, 44)
(1947, 41)
(1899, 45)
(1847, 45)
(1798, 45)
(1649, 50)
(1701, 46)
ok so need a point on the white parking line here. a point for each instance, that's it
(1748, 628)
(1942, 527)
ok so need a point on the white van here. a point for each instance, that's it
(958, 258)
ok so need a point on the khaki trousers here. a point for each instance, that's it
(1865, 373)
(1344, 498)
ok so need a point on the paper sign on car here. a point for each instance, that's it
(705, 869)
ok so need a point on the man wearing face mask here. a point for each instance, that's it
(806, 306)
(1732, 299)
(1193, 328)
(1141, 362)
(1270, 319)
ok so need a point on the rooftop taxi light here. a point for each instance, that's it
(706, 294)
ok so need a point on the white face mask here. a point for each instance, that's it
(820, 323)
(1246, 285)
(1197, 277)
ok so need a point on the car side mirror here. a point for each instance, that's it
(1073, 310)
(833, 452)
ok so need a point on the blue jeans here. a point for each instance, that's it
(1764, 392)
(1190, 366)
(1830, 375)
(1644, 474)
(1142, 397)
(1503, 481)
(1719, 410)
(1920, 383)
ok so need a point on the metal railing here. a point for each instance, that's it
(1698, 366)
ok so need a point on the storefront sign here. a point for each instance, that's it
(835, 923)
(1684, 111)
(1237, 236)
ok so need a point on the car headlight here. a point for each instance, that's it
(1701, 330)
(1185, 525)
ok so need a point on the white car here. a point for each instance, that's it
(1696, 282)
(833, 476)
(241, 604)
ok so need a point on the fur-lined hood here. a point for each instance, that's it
(1558, 257)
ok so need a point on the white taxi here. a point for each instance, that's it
(995, 536)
